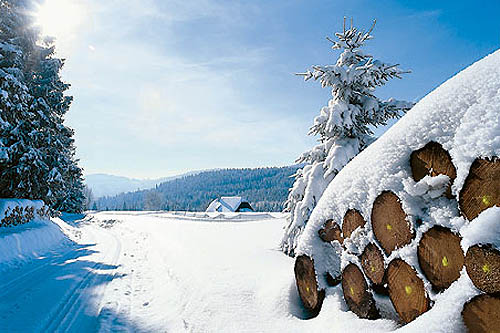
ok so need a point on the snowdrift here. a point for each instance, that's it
(27, 232)
(412, 219)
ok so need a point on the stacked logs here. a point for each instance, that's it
(439, 253)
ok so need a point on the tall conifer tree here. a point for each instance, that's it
(37, 159)
(344, 126)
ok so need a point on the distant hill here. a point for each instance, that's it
(110, 185)
(265, 188)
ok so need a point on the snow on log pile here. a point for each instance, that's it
(416, 216)
(26, 230)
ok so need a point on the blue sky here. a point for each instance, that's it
(166, 86)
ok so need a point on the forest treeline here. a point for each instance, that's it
(265, 188)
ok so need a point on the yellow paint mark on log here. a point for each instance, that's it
(408, 290)
(352, 291)
(445, 261)
(486, 268)
(486, 199)
(372, 268)
(389, 227)
(308, 289)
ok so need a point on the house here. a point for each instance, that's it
(229, 204)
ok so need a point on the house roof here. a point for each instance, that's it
(228, 204)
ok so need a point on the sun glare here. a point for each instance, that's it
(58, 18)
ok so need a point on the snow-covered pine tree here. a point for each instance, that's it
(38, 149)
(14, 100)
(344, 126)
(65, 179)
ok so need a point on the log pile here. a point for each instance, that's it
(379, 269)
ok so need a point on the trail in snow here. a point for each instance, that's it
(157, 272)
(60, 291)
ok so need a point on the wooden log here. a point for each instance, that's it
(352, 220)
(389, 222)
(481, 189)
(330, 232)
(482, 263)
(432, 160)
(406, 290)
(372, 262)
(356, 294)
(307, 284)
(440, 257)
(482, 314)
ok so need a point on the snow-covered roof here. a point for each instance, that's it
(231, 203)
(225, 204)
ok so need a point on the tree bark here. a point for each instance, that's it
(356, 294)
(433, 160)
(352, 220)
(483, 267)
(440, 257)
(481, 189)
(406, 291)
(330, 232)
(307, 284)
(389, 222)
(372, 262)
(482, 314)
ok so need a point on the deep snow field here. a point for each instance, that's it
(157, 272)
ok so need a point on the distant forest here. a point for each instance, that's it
(265, 188)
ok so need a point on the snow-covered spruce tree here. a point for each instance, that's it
(14, 96)
(65, 178)
(39, 160)
(344, 126)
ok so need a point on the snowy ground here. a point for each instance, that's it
(166, 272)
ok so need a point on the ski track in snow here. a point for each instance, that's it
(52, 293)
(158, 272)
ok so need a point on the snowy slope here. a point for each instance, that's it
(24, 242)
(463, 115)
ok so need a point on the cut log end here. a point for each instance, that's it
(352, 220)
(356, 293)
(406, 291)
(483, 267)
(372, 262)
(481, 189)
(433, 160)
(440, 257)
(389, 222)
(482, 314)
(307, 285)
(330, 232)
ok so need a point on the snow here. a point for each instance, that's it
(484, 230)
(175, 272)
(463, 116)
(152, 272)
(25, 242)
(226, 204)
